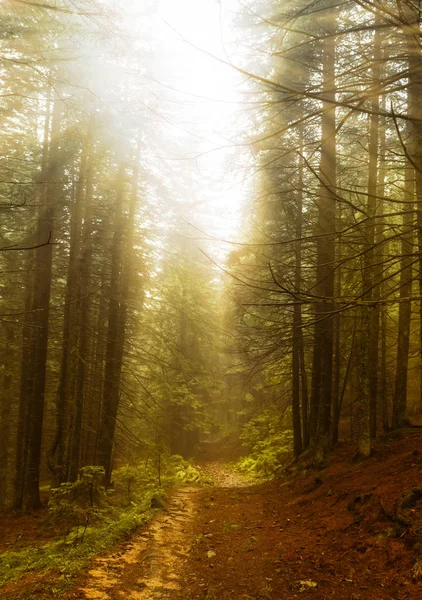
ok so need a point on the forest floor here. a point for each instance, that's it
(351, 531)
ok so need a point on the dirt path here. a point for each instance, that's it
(147, 566)
(223, 475)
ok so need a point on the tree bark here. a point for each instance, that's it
(324, 327)
(121, 277)
(5, 414)
(84, 313)
(41, 302)
(297, 337)
(411, 15)
(403, 336)
(366, 413)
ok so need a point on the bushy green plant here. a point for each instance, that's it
(179, 470)
(81, 502)
(139, 483)
(91, 519)
(135, 482)
(269, 444)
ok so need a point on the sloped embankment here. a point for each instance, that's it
(350, 532)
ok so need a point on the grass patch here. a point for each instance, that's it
(70, 553)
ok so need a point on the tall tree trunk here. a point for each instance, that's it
(41, 302)
(366, 413)
(336, 402)
(403, 339)
(297, 337)
(112, 368)
(315, 381)
(324, 328)
(29, 339)
(121, 277)
(373, 271)
(25, 392)
(122, 273)
(411, 14)
(84, 306)
(67, 397)
(94, 413)
(5, 413)
(378, 275)
(383, 371)
(304, 390)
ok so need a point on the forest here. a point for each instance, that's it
(211, 241)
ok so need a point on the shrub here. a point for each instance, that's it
(134, 482)
(81, 502)
(139, 483)
(269, 443)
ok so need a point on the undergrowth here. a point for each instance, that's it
(89, 519)
(70, 553)
(269, 443)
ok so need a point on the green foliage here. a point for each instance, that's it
(79, 503)
(179, 470)
(140, 483)
(68, 557)
(137, 483)
(91, 519)
(269, 442)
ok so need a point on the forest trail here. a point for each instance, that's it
(332, 535)
(149, 565)
(223, 475)
(351, 531)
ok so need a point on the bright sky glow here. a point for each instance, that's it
(199, 101)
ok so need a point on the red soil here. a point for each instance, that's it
(19, 531)
(336, 529)
(341, 533)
